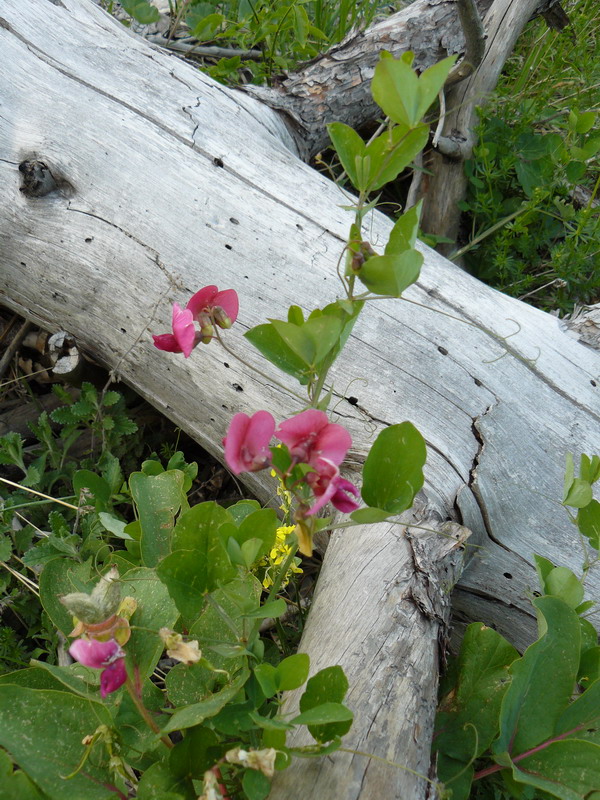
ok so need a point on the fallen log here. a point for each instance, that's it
(161, 181)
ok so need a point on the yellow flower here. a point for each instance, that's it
(278, 553)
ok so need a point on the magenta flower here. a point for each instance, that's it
(222, 306)
(247, 442)
(183, 338)
(107, 656)
(310, 436)
(329, 487)
(206, 307)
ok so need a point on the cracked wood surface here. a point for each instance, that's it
(175, 183)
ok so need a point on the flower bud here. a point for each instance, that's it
(98, 606)
(207, 331)
(221, 319)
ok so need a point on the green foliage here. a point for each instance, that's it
(538, 141)
(393, 471)
(276, 35)
(530, 721)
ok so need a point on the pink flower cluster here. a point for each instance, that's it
(208, 307)
(107, 656)
(310, 438)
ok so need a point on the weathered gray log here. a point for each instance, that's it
(392, 639)
(164, 182)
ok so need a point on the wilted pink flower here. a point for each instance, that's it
(310, 436)
(222, 306)
(183, 338)
(247, 442)
(329, 487)
(107, 656)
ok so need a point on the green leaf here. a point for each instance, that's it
(468, 720)
(42, 730)
(431, 82)
(392, 151)
(190, 574)
(530, 175)
(114, 525)
(155, 610)
(403, 97)
(195, 754)
(569, 475)
(260, 526)
(266, 675)
(157, 499)
(395, 89)
(325, 331)
(88, 482)
(561, 582)
(273, 609)
(350, 147)
(195, 714)
(393, 471)
(589, 668)
(267, 340)
(391, 274)
(588, 522)
(569, 770)
(16, 785)
(328, 685)
(582, 717)
(325, 714)
(366, 516)
(589, 468)
(543, 568)
(5, 547)
(533, 702)
(63, 576)
(579, 494)
(292, 672)
(585, 122)
(141, 10)
(295, 337)
(159, 783)
(256, 785)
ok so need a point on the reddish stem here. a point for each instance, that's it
(497, 767)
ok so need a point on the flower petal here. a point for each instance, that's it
(202, 299)
(229, 301)
(340, 499)
(113, 677)
(166, 341)
(92, 653)
(333, 442)
(183, 329)
(247, 442)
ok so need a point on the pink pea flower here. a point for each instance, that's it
(206, 307)
(183, 338)
(329, 487)
(222, 306)
(310, 436)
(247, 442)
(107, 656)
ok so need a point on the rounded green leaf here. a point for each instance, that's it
(393, 471)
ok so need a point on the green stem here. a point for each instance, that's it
(285, 565)
(145, 714)
(391, 763)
